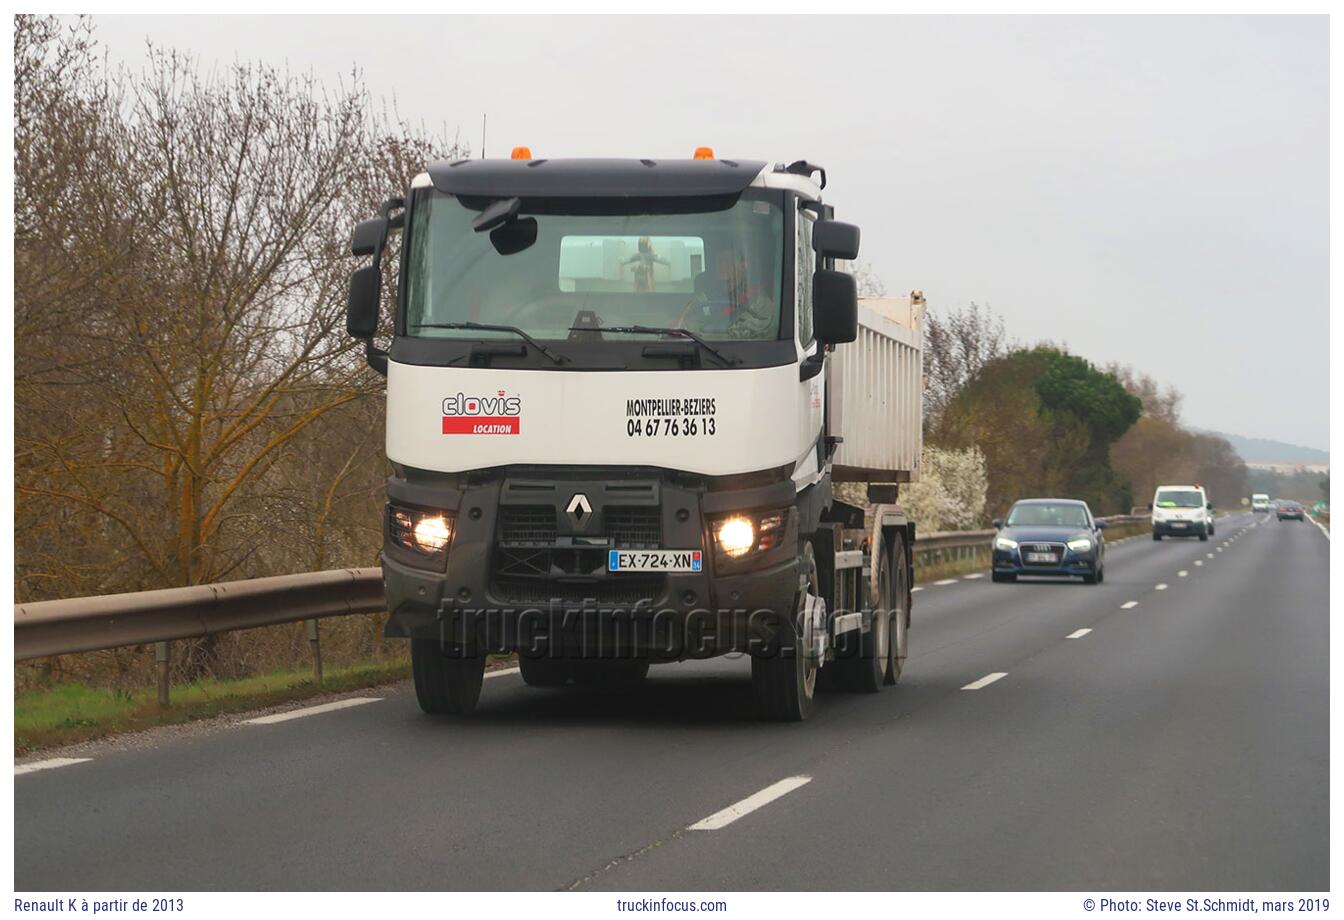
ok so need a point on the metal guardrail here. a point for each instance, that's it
(89, 624)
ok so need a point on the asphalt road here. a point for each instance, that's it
(1181, 743)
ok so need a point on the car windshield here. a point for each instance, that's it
(711, 265)
(1047, 514)
(1179, 498)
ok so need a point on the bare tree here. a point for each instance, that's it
(956, 346)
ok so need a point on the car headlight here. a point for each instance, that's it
(1080, 545)
(1005, 543)
(741, 535)
(425, 532)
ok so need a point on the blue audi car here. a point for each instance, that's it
(1049, 536)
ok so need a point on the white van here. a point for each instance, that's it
(1259, 502)
(1181, 511)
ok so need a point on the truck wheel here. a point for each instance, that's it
(868, 670)
(1204, 536)
(543, 672)
(900, 612)
(784, 676)
(445, 684)
(1157, 537)
(605, 673)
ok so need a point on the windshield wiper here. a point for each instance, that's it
(660, 330)
(491, 327)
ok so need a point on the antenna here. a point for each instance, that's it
(482, 135)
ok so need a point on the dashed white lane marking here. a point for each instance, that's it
(1210, 555)
(721, 819)
(946, 581)
(20, 769)
(1182, 573)
(1078, 634)
(986, 680)
(1199, 562)
(1220, 549)
(916, 588)
(1129, 605)
(1160, 587)
(312, 710)
(502, 672)
(976, 575)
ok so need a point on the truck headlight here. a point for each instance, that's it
(1005, 543)
(741, 535)
(736, 536)
(424, 532)
(1080, 545)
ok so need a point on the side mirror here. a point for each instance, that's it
(368, 236)
(835, 239)
(835, 307)
(1150, 506)
(361, 315)
(1101, 525)
(998, 523)
(1209, 506)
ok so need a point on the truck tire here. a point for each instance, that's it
(784, 676)
(900, 611)
(543, 672)
(1204, 536)
(1157, 537)
(445, 684)
(608, 673)
(866, 672)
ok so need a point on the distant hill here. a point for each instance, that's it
(1265, 450)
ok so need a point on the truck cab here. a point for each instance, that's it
(608, 425)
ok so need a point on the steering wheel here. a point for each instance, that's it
(710, 309)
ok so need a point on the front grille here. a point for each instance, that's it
(639, 527)
(526, 525)
(627, 590)
(1056, 551)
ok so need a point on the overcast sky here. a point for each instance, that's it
(1146, 190)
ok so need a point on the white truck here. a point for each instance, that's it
(618, 395)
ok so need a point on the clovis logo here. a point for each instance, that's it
(498, 414)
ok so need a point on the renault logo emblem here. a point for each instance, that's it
(579, 510)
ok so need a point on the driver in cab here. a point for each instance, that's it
(726, 300)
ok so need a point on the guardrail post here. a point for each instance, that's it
(161, 658)
(315, 640)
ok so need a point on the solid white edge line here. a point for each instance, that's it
(53, 763)
(1078, 634)
(1129, 605)
(986, 680)
(721, 819)
(312, 710)
(1320, 527)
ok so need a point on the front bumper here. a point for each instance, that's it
(544, 588)
(1180, 528)
(1071, 564)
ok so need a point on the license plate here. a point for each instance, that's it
(654, 560)
(1040, 557)
(1178, 523)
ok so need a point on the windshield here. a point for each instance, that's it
(1179, 498)
(1047, 514)
(709, 265)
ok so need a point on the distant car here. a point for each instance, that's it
(1291, 511)
(1259, 502)
(1182, 511)
(1049, 536)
